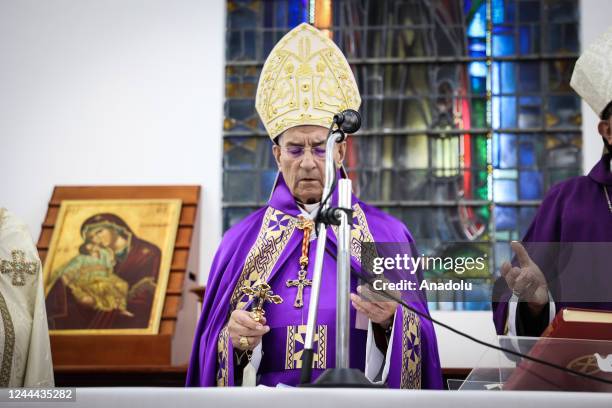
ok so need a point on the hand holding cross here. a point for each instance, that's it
(260, 293)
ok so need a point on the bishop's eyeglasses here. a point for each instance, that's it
(297, 152)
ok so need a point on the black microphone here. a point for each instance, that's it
(349, 121)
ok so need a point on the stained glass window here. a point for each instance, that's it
(468, 115)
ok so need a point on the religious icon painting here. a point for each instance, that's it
(108, 264)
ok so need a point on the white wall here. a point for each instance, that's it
(112, 92)
(594, 21)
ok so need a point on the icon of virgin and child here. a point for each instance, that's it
(109, 284)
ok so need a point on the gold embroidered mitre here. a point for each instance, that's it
(306, 80)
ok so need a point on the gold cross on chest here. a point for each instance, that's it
(260, 293)
(301, 282)
(19, 267)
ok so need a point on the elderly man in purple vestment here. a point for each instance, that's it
(564, 259)
(304, 82)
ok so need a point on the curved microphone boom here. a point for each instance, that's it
(349, 121)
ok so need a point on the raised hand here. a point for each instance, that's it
(526, 281)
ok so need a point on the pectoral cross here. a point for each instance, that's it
(301, 282)
(260, 293)
(19, 267)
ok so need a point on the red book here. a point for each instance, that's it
(581, 324)
(575, 327)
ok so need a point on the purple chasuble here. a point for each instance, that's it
(572, 213)
(266, 246)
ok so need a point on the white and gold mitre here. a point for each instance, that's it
(592, 76)
(306, 80)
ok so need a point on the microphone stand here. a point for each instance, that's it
(342, 216)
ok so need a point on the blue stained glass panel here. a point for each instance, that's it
(508, 83)
(504, 190)
(478, 68)
(281, 13)
(467, 6)
(268, 22)
(242, 46)
(477, 27)
(496, 152)
(530, 101)
(250, 44)
(563, 110)
(504, 149)
(509, 11)
(298, 12)
(495, 105)
(268, 14)
(529, 40)
(231, 216)
(529, 11)
(233, 45)
(563, 11)
(530, 112)
(240, 109)
(238, 186)
(527, 152)
(505, 218)
(242, 18)
(479, 85)
(502, 11)
(562, 38)
(477, 48)
(529, 76)
(530, 183)
(240, 153)
(508, 111)
(503, 252)
(496, 78)
(526, 215)
(503, 42)
(267, 182)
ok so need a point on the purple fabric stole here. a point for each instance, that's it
(572, 211)
(266, 246)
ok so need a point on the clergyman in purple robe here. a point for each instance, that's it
(563, 260)
(304, 82)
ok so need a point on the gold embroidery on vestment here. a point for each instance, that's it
(18, 267)
(9, 343)
(296, 336)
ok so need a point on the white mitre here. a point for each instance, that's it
(592, 77)
(306, 80)
(25, 352)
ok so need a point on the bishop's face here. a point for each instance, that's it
(300, 156)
